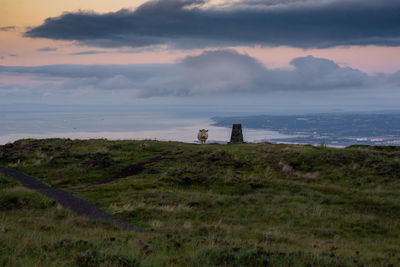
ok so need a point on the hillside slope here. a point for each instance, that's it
(250, 204)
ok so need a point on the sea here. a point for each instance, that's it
(182, 123)
(117, 123)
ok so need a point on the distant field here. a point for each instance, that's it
(204, 205)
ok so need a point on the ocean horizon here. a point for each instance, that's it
(173, 125)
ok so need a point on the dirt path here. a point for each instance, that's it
(131, 170)
(137, 168)
(67, 200)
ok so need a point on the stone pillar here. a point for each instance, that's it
(237, 135)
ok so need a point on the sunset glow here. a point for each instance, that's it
(132, 33)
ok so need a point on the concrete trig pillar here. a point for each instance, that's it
(237, 135)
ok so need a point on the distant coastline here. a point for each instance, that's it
(180, 123)
(333, 129)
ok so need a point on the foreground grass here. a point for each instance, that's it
(204, 205)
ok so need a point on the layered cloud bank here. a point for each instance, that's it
(211, 73)
(192, 24)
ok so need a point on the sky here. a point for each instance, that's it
(326, 54)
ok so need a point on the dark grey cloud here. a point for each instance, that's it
(188, 24)
(219, 72)
(88, 52)
(8, 28)
(47, 49)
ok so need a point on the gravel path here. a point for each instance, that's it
(67, 200)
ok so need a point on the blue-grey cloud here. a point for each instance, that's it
(47, 49)
(70, 71)
(216, 72)
(188, 24)
(7, 28)
(88, 52)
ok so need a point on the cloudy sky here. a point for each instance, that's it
(273, 52)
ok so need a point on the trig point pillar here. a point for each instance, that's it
(237, 135)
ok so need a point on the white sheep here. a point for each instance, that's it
(202, 135)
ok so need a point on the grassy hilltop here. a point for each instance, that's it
(204, 205)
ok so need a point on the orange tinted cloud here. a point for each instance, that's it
(30, 13)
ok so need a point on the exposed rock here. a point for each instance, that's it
(287, 168)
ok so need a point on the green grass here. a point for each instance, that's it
(204, 205)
